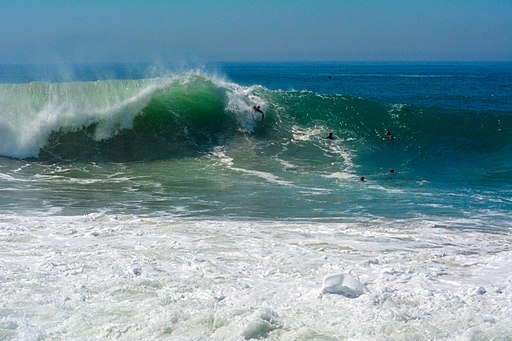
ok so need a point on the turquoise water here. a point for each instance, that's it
(189, 143)
(140, 203)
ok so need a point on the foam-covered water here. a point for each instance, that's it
(105, 277)
(167, 208)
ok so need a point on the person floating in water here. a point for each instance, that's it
(330, 137)
(257, 108)
(388, 135)
(391, 171)
(362, 179)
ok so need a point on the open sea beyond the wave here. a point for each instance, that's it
(142, 201)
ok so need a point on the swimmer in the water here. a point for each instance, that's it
(258, 109)
(388, 135)
(330, 137)
(362, 179)
(391, 171)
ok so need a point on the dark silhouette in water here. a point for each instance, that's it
(258, 109)
(362, 179)
(330, 137)
(388, 135)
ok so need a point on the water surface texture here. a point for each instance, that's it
(138, 203)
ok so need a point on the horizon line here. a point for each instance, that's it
(170, 62)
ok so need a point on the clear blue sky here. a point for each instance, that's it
(257, 30)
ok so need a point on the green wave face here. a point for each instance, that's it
(192, 114)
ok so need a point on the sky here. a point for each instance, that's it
(94, 31)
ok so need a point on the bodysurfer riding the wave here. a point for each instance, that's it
(258, 109)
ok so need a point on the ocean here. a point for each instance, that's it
(153, 202)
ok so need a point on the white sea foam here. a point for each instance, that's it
(346, 284)
(228, 162)
(333, 149)
(32, 111)
(240, 101)
(264, 175)
(340, 176)
(100, 276)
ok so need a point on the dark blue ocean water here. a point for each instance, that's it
(459, 85)
(471, 86)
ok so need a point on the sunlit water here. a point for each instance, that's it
(166, 208)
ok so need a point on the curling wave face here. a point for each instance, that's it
(192, 114)
(121, 120)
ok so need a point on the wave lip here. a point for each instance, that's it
(33, 111)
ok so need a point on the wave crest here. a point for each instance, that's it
(192, 113)
(70, 120)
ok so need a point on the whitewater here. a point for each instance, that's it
(165, 207)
